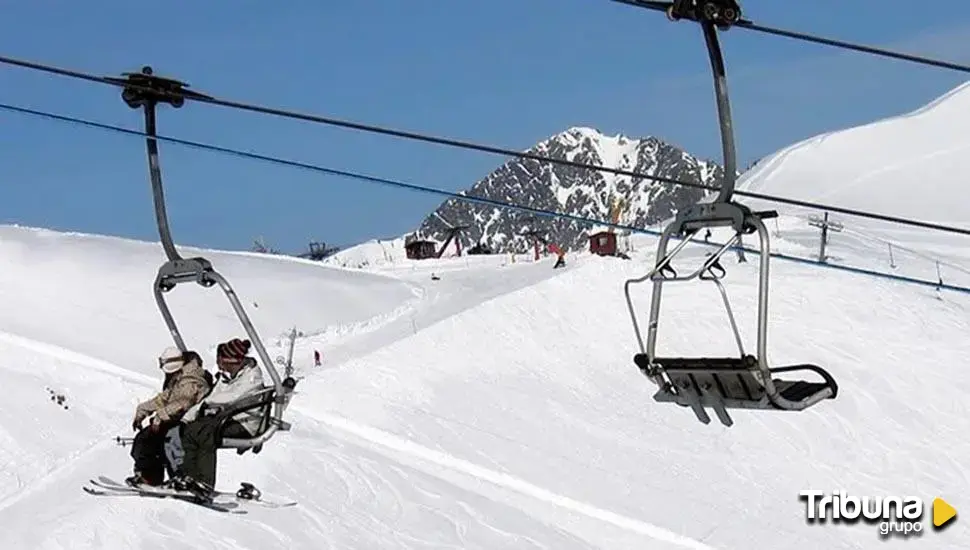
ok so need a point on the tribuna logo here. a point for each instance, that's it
(894, 514)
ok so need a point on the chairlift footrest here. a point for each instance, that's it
(734, 383)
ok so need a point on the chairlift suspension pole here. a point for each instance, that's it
(825, 225)
(713, 15)
(289, 356)
(725, 121)
(158, 192)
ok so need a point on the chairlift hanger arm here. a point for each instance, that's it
(711, 15)
(145, 90)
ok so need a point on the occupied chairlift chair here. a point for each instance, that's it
(743, 382)
(145, 90)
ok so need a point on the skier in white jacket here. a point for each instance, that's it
(239, 377)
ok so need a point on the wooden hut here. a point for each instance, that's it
(603, 243)
(421, 250)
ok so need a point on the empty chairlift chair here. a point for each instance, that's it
(720, 383)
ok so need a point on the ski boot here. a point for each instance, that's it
(141, 479)
(248, 492)
(201, 491)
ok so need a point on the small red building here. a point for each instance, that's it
(421, 250)
(603, 243)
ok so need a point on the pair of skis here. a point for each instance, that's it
(222, 501)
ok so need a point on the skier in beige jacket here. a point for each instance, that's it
(186, 383)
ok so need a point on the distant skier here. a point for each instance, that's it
(561, 260)
(185, 385)
(316, 358)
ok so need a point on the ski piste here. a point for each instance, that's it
(222, 500)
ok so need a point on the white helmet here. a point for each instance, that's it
(170, 360)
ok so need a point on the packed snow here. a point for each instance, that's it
(486, 402)
(908, 166)
(498, 408)
(86, 292)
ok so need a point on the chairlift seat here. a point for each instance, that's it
(719, 383)
(723, 383)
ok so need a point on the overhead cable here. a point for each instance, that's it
(434, 191)
(808, 37)
(488, 148)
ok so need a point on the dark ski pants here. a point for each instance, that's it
(148, 452)
(200, 442)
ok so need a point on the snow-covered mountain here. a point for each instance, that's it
(911, 165)
(901, 165)
(907, 165)
(573, 190)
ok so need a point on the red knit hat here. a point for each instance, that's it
(234, 350)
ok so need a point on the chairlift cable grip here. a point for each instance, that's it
(712, 15)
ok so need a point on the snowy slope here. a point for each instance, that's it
(870, 249)
(86, 293)
(912, 165)
(539, 386)
(375, 252)
(58, 406)
(496, 404)
(349, 494)
(501, 410)
(390, 254)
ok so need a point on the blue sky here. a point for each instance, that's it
(506, 72)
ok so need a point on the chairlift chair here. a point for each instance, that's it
(720, 383)
(145, 90)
